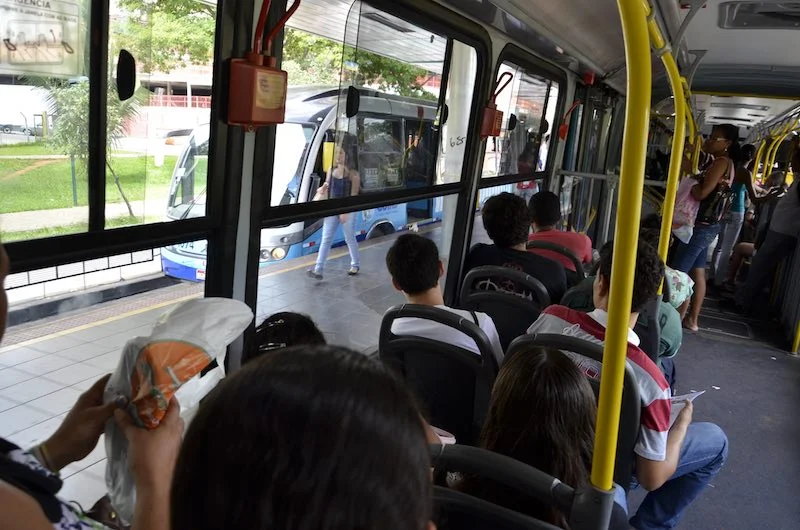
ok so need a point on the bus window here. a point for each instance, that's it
(380, 153)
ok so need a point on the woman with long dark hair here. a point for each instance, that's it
(306, 437)
(542, 413)
(712, 191)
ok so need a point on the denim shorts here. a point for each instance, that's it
(694, 254)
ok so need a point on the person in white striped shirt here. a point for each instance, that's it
(674, 463)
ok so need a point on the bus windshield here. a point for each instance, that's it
(187, 195)
(292, 141)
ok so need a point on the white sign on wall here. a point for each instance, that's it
(41, 37)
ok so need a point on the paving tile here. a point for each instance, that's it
(38, 433)
(56, 344)
(12, 376)
(44, 365)
(57, 402)
(83, 488)
(74, 373)
(20, 418)
(30, 390)
(19, 355)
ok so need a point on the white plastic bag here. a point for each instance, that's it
(168, 362)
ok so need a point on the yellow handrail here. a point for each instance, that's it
(698, 147)
(757, 162)
(678, 137)
(634, 149)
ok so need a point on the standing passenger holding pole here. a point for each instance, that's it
(342, 181)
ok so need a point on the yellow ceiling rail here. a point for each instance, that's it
(677, 84)
(633, 15)
(759, 154)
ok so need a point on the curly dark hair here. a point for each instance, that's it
(649, 272)
(506, 219)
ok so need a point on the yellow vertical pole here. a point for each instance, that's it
(757, 162)
(698, 147)
(631, 184)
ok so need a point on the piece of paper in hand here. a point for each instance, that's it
(678, 403)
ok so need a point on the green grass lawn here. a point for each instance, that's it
(28, 149)
(76, 228)
(48, 183)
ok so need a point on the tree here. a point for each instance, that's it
(163, 41)
(178, 8)
(317, 60)
(69, 104)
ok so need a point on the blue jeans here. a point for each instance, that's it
(694, 254)
(703, 454)
(728, 236)
(329, 227)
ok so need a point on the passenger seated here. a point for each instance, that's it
(284, 330)
(306, 437)
(542, 413)
(29, 479)
(675, 464)
(581, 298)
(680, 284)
(545, 213)
(414, 264)
(505, 217)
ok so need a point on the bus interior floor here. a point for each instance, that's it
(752, 393)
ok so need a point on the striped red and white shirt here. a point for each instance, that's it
(653, 387)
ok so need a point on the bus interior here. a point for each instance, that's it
(237, 213)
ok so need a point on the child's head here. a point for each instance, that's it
(283, 330)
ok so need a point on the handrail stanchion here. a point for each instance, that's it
(698, 147)
(634, 147)
(759, 154)
(678, 136)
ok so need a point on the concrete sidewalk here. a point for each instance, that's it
(39, 219)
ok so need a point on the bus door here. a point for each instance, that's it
(419, 164)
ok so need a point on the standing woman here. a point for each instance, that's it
(731, 226)
(343, 181)
(711, 191)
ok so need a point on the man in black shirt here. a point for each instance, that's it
(507, 222)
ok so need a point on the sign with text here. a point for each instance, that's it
(41, 37)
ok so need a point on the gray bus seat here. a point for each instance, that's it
(460, 511)
(512, 298)
(573, 277)
(453, 384)
(630, 410)
(648, 329)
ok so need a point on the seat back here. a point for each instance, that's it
(512, 298)
(463, 511)
(630, 410)
(648, 328)
(458, 511)
(573, 277)
(453, 384)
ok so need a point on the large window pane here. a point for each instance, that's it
(348, 309)
(67, 328)
(529, 106)
(158, 140)
(390, 139)
(44, 119)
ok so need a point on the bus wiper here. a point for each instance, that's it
(192, 203)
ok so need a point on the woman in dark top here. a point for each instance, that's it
(542, 413)
(711, 187)
(343, 181)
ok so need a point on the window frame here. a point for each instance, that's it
(532, 65)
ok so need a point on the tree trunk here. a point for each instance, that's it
(119, 187)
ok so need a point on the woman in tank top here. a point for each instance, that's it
(343, 181)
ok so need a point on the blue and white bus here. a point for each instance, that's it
(394, 138)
